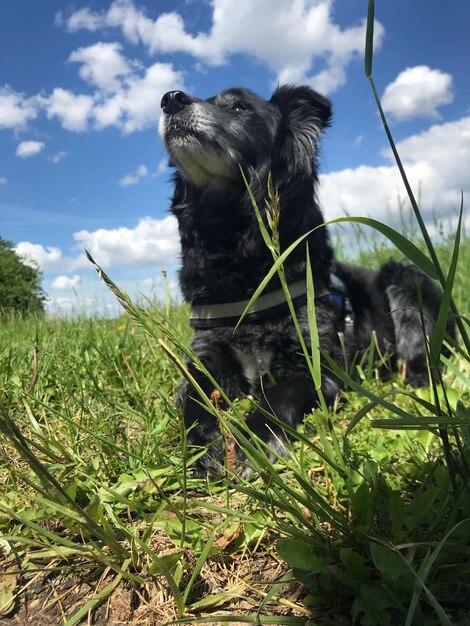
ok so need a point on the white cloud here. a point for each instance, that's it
(83, 18)
(36, 255)
(72, 110)
(436, 176)
(3, 181)
(102, 65)
(66, 282)
(126, 95)
(150, 242)
(92, 305)
(162, 167)
(291, 38)
(136, 103)
(365, 190)
(298, 41)
(158, 287)
(134, 177)
(15, 110)
(418, 92)
(61, 304)
(450, 172)
(59, 156)
(27, 149)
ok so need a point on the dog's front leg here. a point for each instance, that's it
(288, 401)
(202, 424)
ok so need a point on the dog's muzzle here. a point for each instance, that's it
(174, 101)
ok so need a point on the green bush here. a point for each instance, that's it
(20, 284)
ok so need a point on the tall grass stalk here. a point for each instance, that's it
(312, 356)
(447, 305)
(419, 219)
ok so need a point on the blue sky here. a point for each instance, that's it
(81, 163)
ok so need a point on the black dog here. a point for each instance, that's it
(224, 259)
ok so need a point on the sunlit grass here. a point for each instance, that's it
(94, 481)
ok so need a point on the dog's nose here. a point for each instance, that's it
(174, 101)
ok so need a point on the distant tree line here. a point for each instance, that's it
(20, 284)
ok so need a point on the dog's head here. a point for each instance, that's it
(209, 140)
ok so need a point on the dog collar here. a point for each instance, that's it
(267, 305)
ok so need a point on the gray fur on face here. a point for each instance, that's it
(192, 142)
(209, 140)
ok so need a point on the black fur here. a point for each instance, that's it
(224, 257)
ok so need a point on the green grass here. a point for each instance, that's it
(95, 490)
(367, 521)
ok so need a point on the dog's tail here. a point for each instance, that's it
(414, 301)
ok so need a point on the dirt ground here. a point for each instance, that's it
(234, 586)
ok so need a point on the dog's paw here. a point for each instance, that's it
(415, 373)
(420, 379)
(275, 446)
(212, 462)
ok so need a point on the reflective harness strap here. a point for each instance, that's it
(205, 315)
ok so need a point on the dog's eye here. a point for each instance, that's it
(238, 107)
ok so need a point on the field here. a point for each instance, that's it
(102, 522)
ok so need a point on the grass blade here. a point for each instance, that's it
(241, 619)
(273, 270)
(96, 599)
(443, 316)
(312, 324)
(264, 231)
(412, 252)
(199, 564)
(369, 39)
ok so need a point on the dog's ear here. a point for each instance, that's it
(304, 114)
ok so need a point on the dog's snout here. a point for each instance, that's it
(174, 101)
